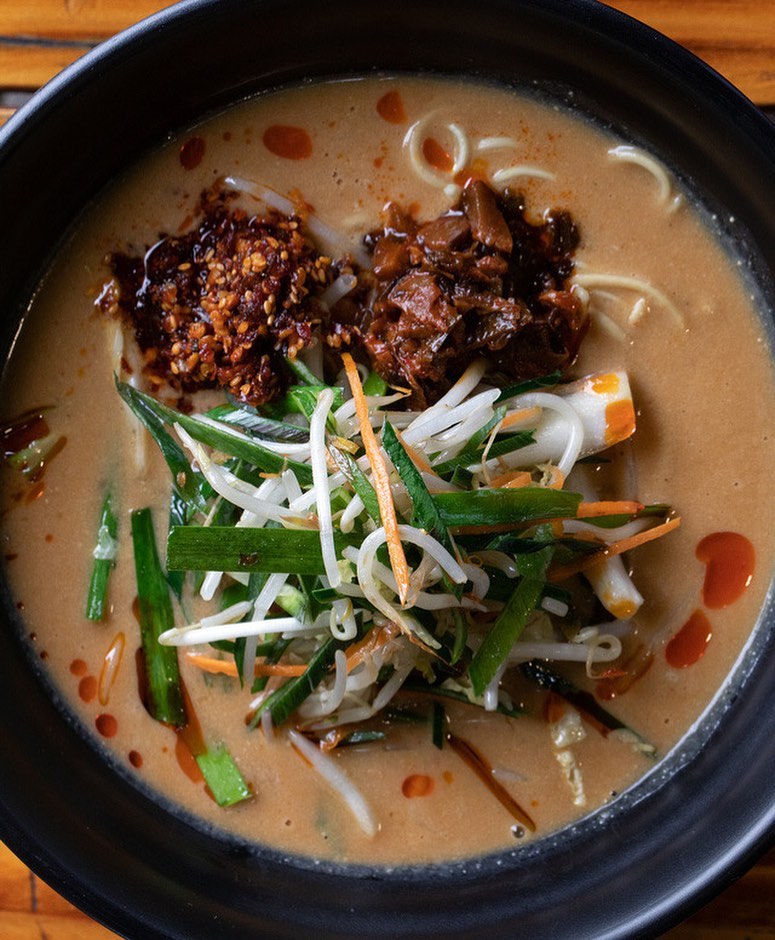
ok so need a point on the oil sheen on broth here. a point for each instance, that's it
(704, 442)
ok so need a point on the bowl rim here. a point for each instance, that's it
(753, 821)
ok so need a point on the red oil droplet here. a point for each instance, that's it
(78, 667)
(417, 785)
(106, 725)
(187, 761)
(136, 759)
(191, 153)
(285, 140)
(87, 688)
(437, 156)
(390, 108)
(691, 641)
(448, 776)
(730, 560)
(477, 169)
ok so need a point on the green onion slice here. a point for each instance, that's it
(223, 777)
(104, 560)
(165, 696)
(511, 621)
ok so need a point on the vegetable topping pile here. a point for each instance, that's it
(343, 533)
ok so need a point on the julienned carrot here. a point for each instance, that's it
(626, 545)
(512, 480)
(556, 479)
(375, 638)
(229, 667)
(619, 507)
(615, 548)
(417, 458)
(279, 669)
(224, 667)
(356, 653)
(381, 480)
(579, 510)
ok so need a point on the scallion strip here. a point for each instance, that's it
(499, 448)
(361, 737)
(188, 484)
(462, 478)
(613, 522)
(104, 560)
(473, 447)
(511, 621)
(358, 480)
(155, 614)
(415, 688)
(301, 399)
(237, 443)
(260, 425)
(531, 385)
(223, 777)
(282, 703)
(302, 372)
(425, 513)
(461, 635)
(274, 654)
(492, 507)
(374, 384)
(180, 514)
(540, 673)
(226, 548)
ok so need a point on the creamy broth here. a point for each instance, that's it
(705, 441)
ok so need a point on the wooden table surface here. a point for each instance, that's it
(40, 37)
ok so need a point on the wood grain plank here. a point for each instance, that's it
(15, 882)
(31, 910)
(22, 891)
(26, 65)
(85, 20)
(22, 926)
(735, 37)
(5, 113)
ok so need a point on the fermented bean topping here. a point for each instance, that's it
(222, 304)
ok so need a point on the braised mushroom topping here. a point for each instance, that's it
(480, 278)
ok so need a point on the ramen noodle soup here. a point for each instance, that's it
(408, 617)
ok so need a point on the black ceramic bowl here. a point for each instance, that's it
(631, 870)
